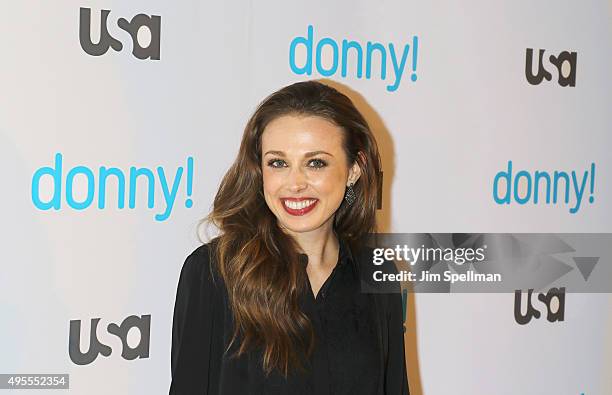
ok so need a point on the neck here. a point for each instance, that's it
(321, 246)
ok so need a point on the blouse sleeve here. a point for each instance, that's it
(192, 327)
(389, 299)
(396, 379)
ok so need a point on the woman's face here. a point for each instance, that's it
(305, 171)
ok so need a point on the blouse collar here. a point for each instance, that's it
(345, 257)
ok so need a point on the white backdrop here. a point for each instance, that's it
(443, 138)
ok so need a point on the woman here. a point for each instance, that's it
(273, 305)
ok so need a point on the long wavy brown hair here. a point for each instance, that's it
(257, 261)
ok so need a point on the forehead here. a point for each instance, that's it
(301, 133)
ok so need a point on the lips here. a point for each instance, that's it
(299, 206)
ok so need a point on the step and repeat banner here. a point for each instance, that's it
(119, 119)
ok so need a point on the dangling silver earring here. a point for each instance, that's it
(350, 196)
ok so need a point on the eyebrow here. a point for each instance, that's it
(307, 154)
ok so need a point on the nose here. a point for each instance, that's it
(297, 180)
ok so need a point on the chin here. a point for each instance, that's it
(300, 228)
(300, 225)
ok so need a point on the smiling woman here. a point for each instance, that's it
(273, 305)
(305, 170)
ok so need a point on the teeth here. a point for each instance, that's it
(299, 205)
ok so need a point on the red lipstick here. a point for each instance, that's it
(298, 211)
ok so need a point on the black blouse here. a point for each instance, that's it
(359, 344)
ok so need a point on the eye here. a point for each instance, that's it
(276, 163)
(318, 163)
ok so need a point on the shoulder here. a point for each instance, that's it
(373, 269)
(200, 265)
(203, 254)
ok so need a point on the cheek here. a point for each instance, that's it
(271, 182)
(331, 185)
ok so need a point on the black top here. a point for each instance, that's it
(359, 345)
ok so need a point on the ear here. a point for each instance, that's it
(355, 171)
